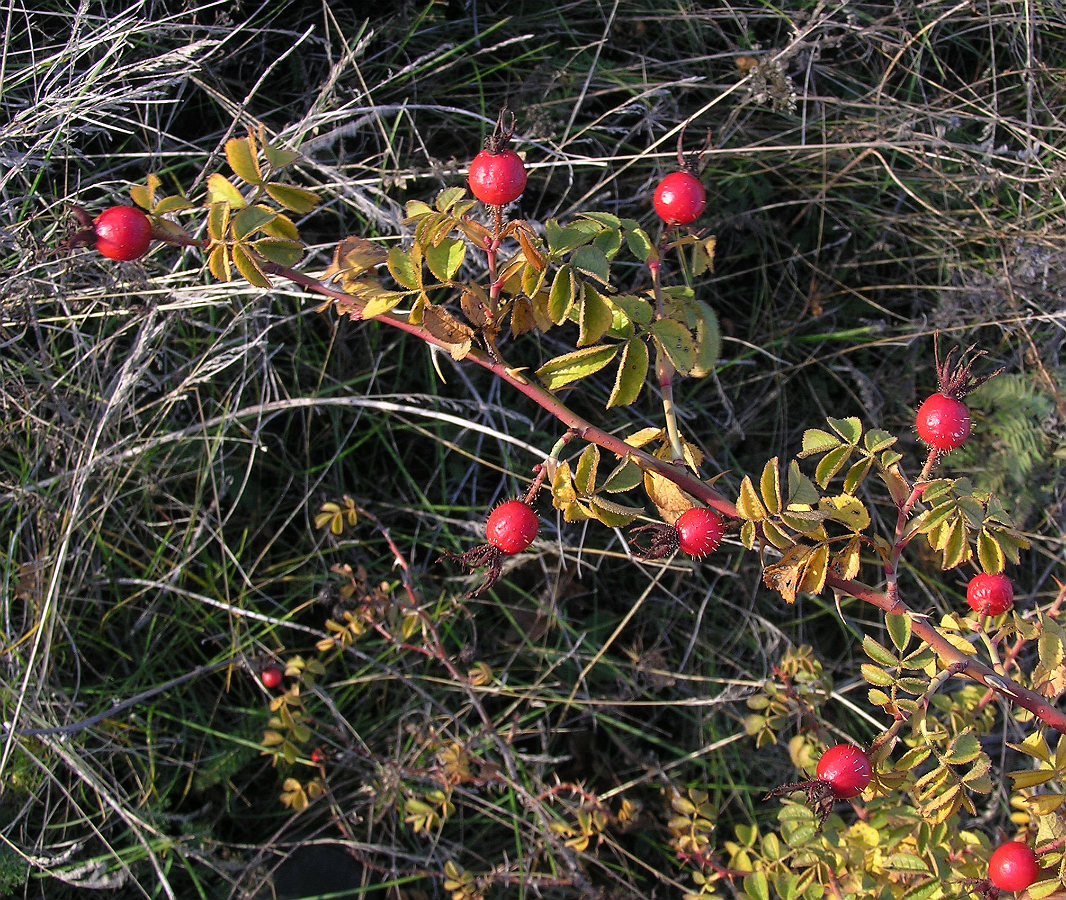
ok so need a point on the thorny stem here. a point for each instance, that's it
(690, 483)
(951, 655)
(551, 404)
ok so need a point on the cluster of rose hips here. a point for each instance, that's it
(512, 526)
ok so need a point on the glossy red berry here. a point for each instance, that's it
(680, 198)
(497, 178)
(271, 676)
(943, 422)
(511, 527)
(990, 594)
(846, 769)
(122, 232)
(1013, 866)
(699, 531)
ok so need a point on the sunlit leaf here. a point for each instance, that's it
(577, 364)
(847, 510)
(815, 440)
(249, 267)
(585, 473)
(749, 506)
(250, 219)
(561, 295)
(221, 190)
(241, 156)
(850, 429)
(405, 268)
(831, 463)
(770, 487)
(676, 342)
(299, 200)
(592, 263)
(218, 262)
(708, 340)
(614, 515)
(445, 258)
(143, 195)
(632, 374)
(280, 251)
(989, 553)
(594, 318)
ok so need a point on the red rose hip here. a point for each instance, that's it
(271, 676)
(497, 178)
(122, 232)
(943, 422)
(846, 769)
(1013, 866)
(699, 531)
(990, 594)
(511, 527)
(680, 198)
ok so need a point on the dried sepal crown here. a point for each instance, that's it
(955, 378)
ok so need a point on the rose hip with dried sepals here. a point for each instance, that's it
(509, 529)
(497, 174)
(843, 772)
(697, 531)
(943, 420)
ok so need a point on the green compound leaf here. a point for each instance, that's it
(445, 258)
(632, 373)
(570, 367)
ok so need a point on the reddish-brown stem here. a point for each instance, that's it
(704, 492)
(551, 404)
(952, 655)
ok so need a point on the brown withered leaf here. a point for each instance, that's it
(475, 306)
(447, 328)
